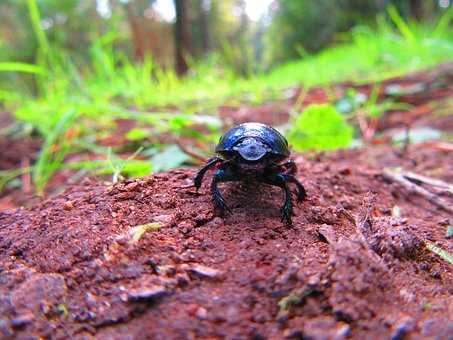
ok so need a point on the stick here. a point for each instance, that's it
(26, 176)
(191, 153)
(442, 146)
(428, 180)
(398, 177)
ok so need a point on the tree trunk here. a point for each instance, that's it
(203, 21)
(416, 9)
(137, 33)
(182, 37)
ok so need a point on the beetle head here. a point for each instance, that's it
(251, 149)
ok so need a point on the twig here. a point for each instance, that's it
(442, 146)
(407, 139)
(26, 176)
(428, 180)
(191, 153)
(363, 125)
(398, 177)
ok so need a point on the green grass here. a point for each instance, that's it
(85, 98)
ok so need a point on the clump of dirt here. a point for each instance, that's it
(151, 256)
(394, 238)
(356, 273)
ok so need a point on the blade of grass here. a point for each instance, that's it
(8, 175)
(445, 255)
(49, 159)
(399, 22)
(443, 23)
(20, 67)
(35, 18)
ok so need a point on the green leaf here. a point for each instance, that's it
(136, 168)
(171, 157)
(137, 134)
(138, 231)
(320, 127)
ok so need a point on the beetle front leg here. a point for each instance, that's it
(199, 177)
(301, 193)
(280, 181)
(224, 174)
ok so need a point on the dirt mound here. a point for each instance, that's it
(150, 256)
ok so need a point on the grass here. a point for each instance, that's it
(77, 103)
(445, 255)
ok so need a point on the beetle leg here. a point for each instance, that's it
(199, 177)
(224, 174)
(301, 194)
(280, 181)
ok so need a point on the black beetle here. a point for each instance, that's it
(253, 152)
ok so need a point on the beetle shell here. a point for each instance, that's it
(277, 143)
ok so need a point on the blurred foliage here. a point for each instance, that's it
(320, 127)
(290, 29)
(301, 27)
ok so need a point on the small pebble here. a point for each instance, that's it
(166, 270)
(182, 280)
(232, 315)
(445, 222)
(289, 274)
(163, 218)
(146, 294)
(404, 327)
(293, 334)
(407, 295)
(5, 329)
(342, 332)
(449, 233)
(22, 320)
(204, 272)
(201, 313)
(68, 205)
(132, 186)
(435, 274)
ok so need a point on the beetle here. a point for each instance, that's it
(253, 152)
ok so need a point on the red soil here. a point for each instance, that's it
(69, 269)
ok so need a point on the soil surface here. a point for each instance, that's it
(354, 264)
